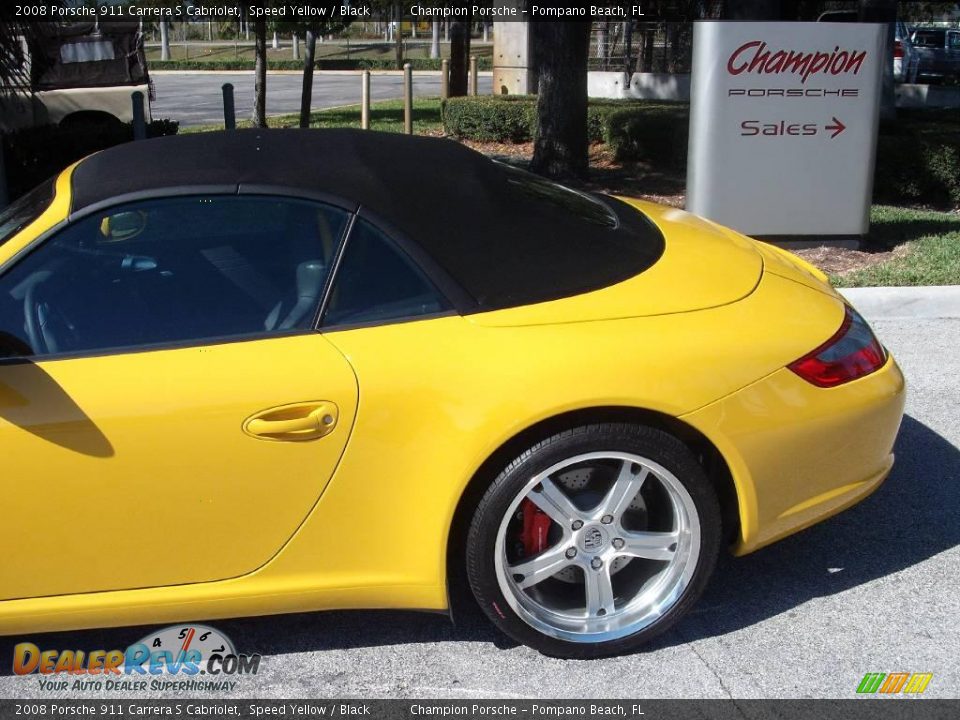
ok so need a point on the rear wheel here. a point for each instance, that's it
(594, 540)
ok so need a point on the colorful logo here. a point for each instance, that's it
(893, 683)
(175, 650)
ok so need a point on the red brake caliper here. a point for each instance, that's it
(536, 525)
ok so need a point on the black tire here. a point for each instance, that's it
(646, 442)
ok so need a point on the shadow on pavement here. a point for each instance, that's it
(912, 517)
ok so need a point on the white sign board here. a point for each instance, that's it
(783, 125)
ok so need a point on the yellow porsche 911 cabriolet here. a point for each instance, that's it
(260, 372)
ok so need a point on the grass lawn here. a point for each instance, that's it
(924, 245)
(385, 115)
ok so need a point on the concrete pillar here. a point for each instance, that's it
(512, 59)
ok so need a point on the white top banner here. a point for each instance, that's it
(783, 125)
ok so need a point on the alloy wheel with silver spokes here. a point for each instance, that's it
(597, 547)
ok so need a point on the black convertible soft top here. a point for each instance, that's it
(503, 236)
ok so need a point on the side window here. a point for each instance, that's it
(171, 270)
(377, 282)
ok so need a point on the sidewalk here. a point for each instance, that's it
(886, 303)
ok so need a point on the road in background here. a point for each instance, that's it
(874, 589)
(195, 98)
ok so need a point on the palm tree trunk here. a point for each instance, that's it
(398, 39)
(306, 96)
(435, 39)
(459, 57)
(260, 74)
(164, 40)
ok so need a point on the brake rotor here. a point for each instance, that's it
(576, 483)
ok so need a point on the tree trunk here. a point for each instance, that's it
(306, 96)
(664, 59)
(648, 38)
(560, 145)
(884, 11)
(435, 40)
(398, 40)
(260, 74)
(459, 57)
(164, 40)
(276, 41)
(673, 35)
(628, 62)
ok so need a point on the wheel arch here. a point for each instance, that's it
(90, 117)
(706, 452)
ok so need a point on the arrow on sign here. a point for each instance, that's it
(838, 127)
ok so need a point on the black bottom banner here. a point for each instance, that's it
(861, 709)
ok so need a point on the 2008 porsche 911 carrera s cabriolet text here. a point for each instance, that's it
(260, 372)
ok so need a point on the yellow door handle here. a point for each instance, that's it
(301, 421)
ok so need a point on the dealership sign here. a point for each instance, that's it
(783, 126)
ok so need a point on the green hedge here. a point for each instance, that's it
(420, 64)
(635, 130)
(34, 154)
(509, 118)
(918, 168)
(221, 65)
(918, 155)
(656, 133)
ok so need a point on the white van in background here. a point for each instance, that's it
(78, 73)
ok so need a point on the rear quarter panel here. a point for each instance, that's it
(438, 397)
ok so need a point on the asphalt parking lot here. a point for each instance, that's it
(872, 590)
(195, 98)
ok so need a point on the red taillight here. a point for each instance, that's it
(897, 49)
(850, 354)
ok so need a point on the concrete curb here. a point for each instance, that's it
(901, 303)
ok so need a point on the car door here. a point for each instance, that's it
(168, 412)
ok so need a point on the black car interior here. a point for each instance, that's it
(189, 268)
